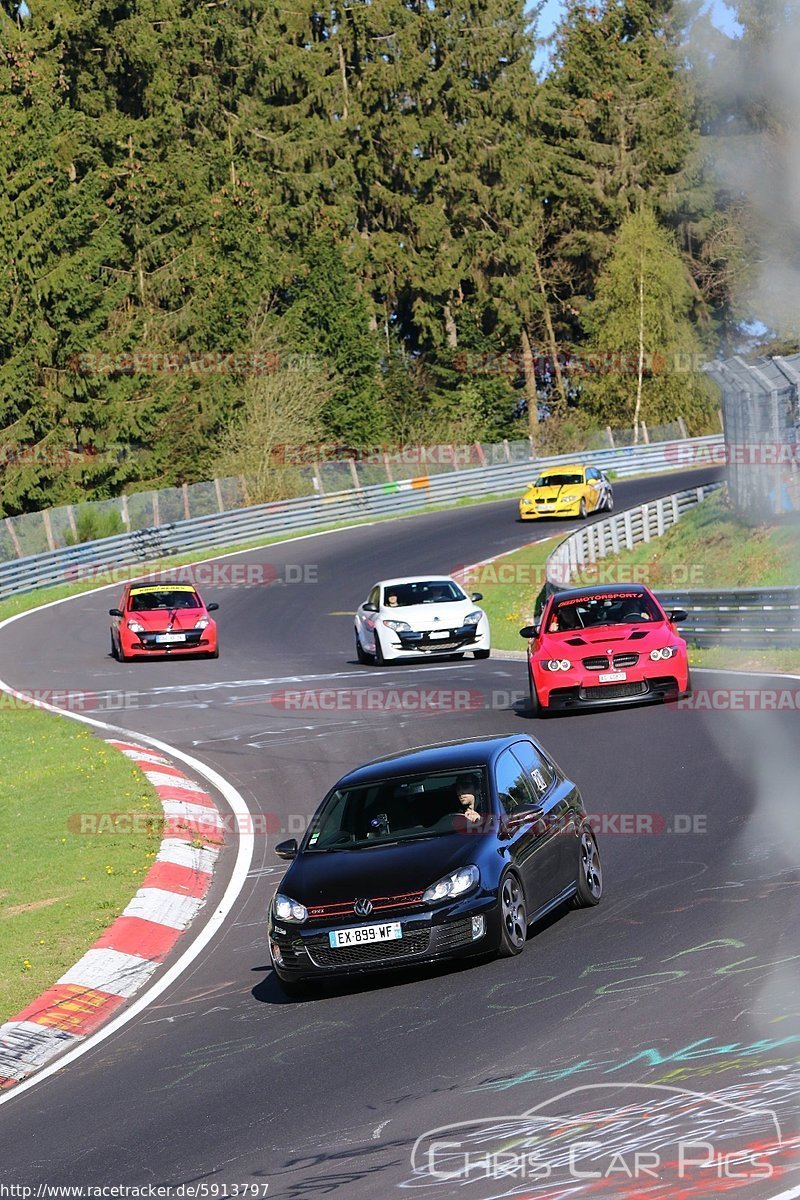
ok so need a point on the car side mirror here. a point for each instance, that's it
(115, 612)
(678, 614)
(476, 596)
(530, 631)
(369, 607)
(212, 607)
(287, 849)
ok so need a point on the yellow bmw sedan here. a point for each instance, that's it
(571, 491)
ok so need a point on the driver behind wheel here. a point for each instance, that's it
(468, 792)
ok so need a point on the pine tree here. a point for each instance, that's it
(642, 338)
(615, 114)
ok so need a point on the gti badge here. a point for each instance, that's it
(362, 908)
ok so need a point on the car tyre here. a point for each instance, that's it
(361, 653)
(582, 510)
(215, 652)
(513, 916)
(378, 658)
(590, 871)
(114, 653)
(535, 706)
(482, 653)
(609, 502)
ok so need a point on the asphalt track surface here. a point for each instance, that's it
(687, 976)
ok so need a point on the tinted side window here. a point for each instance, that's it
(513, 787)
(374, 596)
(592, 474)
(536, 767)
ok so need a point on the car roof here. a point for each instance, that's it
(604, 589)
(444, 756)
(414, 579)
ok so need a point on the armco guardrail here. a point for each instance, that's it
(318, 511)
(753, 617)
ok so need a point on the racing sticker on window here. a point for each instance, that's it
(601, 596)
(163, 587)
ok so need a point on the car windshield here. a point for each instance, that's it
(149, 601)
(402, 809)
(557, 480)
(612, 608)
(433, 591)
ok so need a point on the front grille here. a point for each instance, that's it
(626, 660)
(596, 664)
(614, 691)
(322, 954)
(344, 908)
(457, 933)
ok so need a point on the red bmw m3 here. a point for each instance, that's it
(162, 618)
(605, 645)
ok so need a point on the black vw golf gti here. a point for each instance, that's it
(441, 852)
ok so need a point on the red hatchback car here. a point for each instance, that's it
(605, 645)
(162, 618)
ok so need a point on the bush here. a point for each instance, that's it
(93, 524)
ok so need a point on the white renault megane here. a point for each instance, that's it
(420, 616)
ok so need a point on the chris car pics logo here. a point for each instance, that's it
(625, 1140)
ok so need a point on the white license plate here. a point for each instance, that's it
(171, 637)
(364, 934)
(440, 633)
(612, 676)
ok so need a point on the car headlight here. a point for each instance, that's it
(203, 623)
(398, 626)
(664, 652)
(556, 664)
(135, 627)
(289, 910)
(473, 618)
(457, 883)
(567, 499)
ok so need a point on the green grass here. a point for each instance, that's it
(735, 658)
(510, 587)
(60, 888)
(711, 548)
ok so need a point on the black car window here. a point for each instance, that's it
(397, 809)
(558, 480)
(513, 789)
(535, 766)
(151, 601)
(432, 591)
(605, 608)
